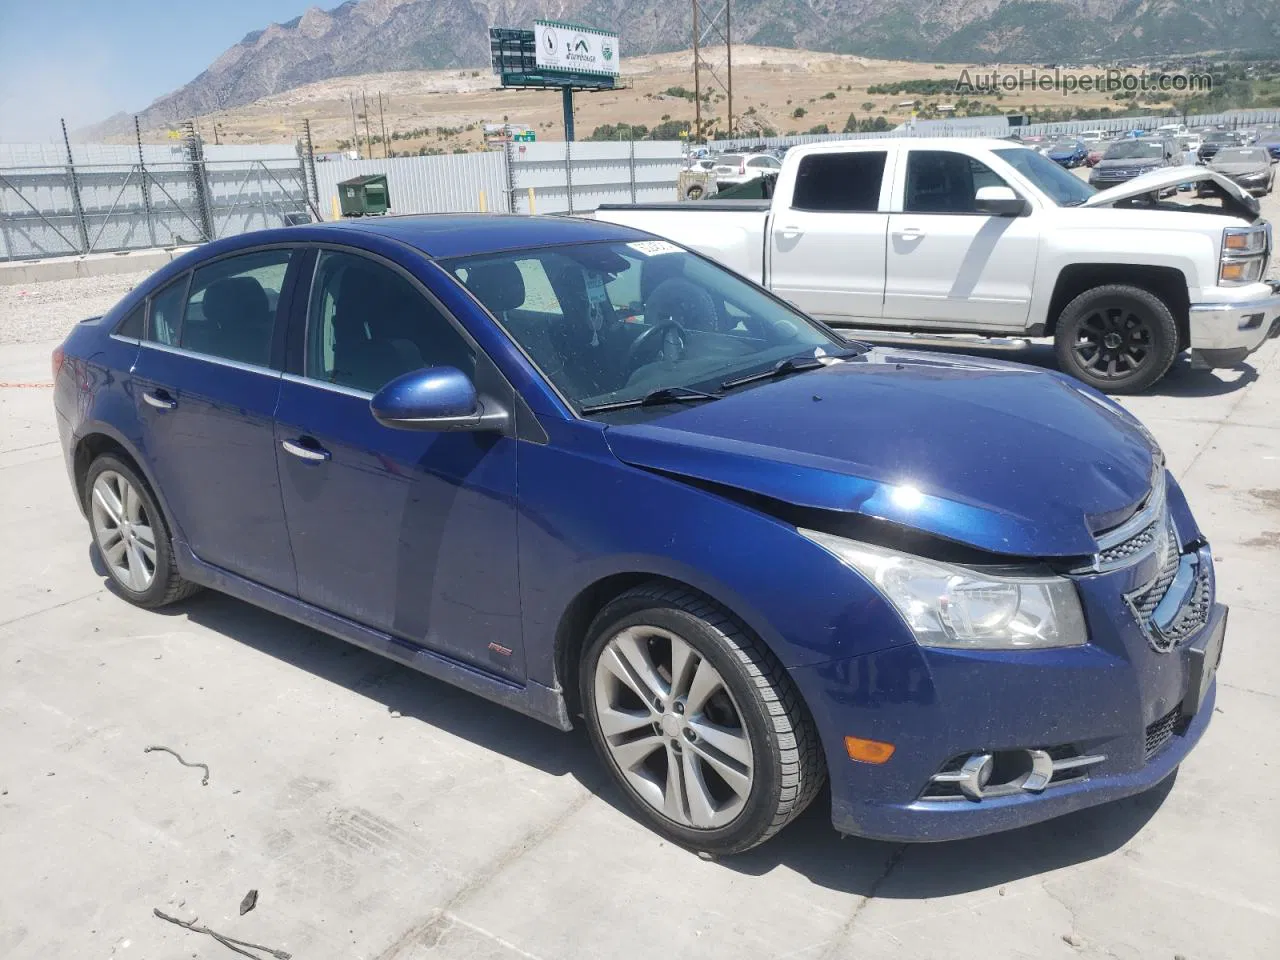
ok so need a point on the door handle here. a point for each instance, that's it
(312, 454)
(910, 232)
(160, 400)
(790, 231)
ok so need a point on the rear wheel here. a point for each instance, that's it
(1117, 338)
(131, 535)
(694, 192)
(696, 720)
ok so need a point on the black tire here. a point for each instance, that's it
(790, 770)
(695, 192)
(1117, 338)
(167, 586)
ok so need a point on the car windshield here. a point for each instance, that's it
(729, 160)
(1222, 138)
(1242, 155)
(1135, 150)
(613, 322)
(1062, 187)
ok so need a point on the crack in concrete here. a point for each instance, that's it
(890, 864)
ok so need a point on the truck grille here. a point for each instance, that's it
(1159, 732)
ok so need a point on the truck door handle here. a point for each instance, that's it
(790, 231)
(307, 449)
(910, 232)
(160, 399)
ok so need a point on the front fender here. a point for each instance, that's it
(585, 516)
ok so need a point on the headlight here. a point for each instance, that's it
(1244, 241)
(1244, 254)
(953, 606)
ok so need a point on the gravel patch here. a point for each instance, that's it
(30, 313)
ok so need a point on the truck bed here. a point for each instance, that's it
(731, 232)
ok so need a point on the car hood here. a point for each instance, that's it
(1136, 163)
(1001, 457)
(1166, 177)
(1239, 169)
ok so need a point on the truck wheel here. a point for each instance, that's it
(1117, 338)
(693, 193)
(698, 723)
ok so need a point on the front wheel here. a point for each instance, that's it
(1117, 338)
(696, 720)
(694, 192)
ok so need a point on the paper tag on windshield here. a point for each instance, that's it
(652, 248)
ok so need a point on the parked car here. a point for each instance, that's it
(1249, 167)
(1068, 153)
(747, 555)
(734, 168)
(1272, 145)
(1126, 159)
(948, 236)
(1215, 140)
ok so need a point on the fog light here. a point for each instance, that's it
(868, 751)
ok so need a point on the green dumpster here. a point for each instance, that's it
(364, 196)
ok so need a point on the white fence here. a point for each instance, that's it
(459, 183)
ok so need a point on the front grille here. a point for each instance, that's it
(1128, 548)
(1159, 732)
(1195, 614)
(1145, 602)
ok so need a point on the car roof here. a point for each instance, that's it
(466, 234)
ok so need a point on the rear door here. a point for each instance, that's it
(827, 248)
(949, 265)
(206, 382)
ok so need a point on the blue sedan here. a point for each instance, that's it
(1068, 153)
(601, 480)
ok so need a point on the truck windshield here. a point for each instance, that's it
(1062, 187)
(613, 322)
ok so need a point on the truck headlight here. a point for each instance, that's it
(1244, 254)
(946, 605)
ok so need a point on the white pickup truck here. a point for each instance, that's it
(987, 237)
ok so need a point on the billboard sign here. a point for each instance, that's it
(569, 48)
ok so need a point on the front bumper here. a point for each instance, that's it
(1224, 333)
(1102, 700)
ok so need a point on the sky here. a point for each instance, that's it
(87, 59)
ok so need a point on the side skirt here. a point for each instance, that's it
(532, 699)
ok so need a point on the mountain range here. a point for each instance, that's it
(373, 36)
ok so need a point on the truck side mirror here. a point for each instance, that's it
(1000, 202)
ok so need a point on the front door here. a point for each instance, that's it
(949, 265)
(206, 391)
(826, 250)
(411, 533)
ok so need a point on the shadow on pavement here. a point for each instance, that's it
(809, 846)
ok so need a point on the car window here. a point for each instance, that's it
(613, 321)
(939, 181)
(840, 182)
(165, 316)
(231, 307)
(135, 323)
(367, 324)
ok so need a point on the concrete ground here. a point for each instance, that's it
(380, 814)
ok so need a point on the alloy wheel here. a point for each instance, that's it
(672, 728)
(123, 531)
(1113, 342)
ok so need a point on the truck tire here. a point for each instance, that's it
(1117, 338)
(694, 192)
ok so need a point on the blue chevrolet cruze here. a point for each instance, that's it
(596, 478)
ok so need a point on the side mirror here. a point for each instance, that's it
(436, 398)
(1000, 202)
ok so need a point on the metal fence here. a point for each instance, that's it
(450, 184)
(998, 126)
(578, 177)
(161, 196)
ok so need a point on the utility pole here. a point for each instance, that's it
(382, 120)
(697, 78)
(355, 131)
(368, 137)
(728, 52)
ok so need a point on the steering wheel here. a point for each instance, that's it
(680, 304)
(646, 347)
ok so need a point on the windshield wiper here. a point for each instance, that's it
(805, 361)
(653, 398)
